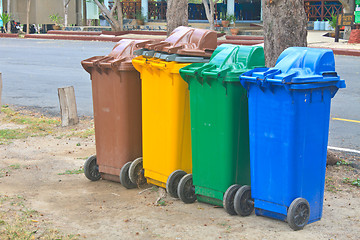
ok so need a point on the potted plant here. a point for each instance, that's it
(5, 19)
(332, 21)
(139, 18)
(234, 31)
(56, 19)
(228, 19)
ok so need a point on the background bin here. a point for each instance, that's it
(219, 125)
(289, 110)
(166, 107)
(116, 90)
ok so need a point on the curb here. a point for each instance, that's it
(95, 37)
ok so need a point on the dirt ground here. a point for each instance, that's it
(32, 178)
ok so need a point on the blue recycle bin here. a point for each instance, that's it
(289, 111)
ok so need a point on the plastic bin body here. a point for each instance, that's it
(166, 119)
(289, 123)
(116, 90)
(219, 120)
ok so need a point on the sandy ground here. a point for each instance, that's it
(104, 209)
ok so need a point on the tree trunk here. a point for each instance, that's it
(8, 12)
(66, 11)
(348, 7)
(84, 13)
(176, 14)
(209, 6)
(116, 24)
(120, 15)
(284, 26)
(28, 16)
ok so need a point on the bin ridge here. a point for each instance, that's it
(123, 52)
(230, 60)
(306, 61)
(298, 66)
(187, 41)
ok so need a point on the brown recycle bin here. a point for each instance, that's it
(186, 41)
(116, 90)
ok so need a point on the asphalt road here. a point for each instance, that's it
(33, 70)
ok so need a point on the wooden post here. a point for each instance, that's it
(0, 90)
(337, 33)
(68, 106)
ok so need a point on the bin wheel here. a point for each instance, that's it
(298, 214)
(173, 182)
(91, 169)
(228, 199)
(136, 172)
(124, 177)
(186, 189)
(243, 203)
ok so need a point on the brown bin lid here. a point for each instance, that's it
(186, 41)
(119, 58)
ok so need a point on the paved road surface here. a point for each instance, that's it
(34, 69)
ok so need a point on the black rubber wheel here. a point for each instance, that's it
(243, 203)
(228, 199)
(173, 182)
(298, 214)
(186, 189)
(136, 172)
(124, 177)
(91, 169)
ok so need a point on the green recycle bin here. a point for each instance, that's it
(219, 126)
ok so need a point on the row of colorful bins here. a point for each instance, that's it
(216, 146)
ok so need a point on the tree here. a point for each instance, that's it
(209, 6)
(176, 14)
(66, 11)
(5, 19)
(8, 12)
(28, 16)
(113, 16)
(84, 12)
(348, 7)
(284, 26)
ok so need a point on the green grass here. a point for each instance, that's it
(7, 171)
(19, 222)
(353, 182)
(70, 172)
(342, 162)
(33, 125)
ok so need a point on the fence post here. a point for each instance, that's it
(0, 90)
(68, 106)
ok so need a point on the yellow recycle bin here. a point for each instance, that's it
(166, 105)
(166, 122)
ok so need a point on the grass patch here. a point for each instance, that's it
(7, 171)
(32, 125)
(70, 172)
(330, 185)
(342, 162)
(353, 182)
(19, 222)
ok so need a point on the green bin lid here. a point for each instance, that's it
(228, 61)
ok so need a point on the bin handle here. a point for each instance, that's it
(112, 63)
(142, 44)
(155, 46)
(215, 74)
(173, 49)
(159, 65)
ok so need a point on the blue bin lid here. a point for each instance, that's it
(298, 65)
